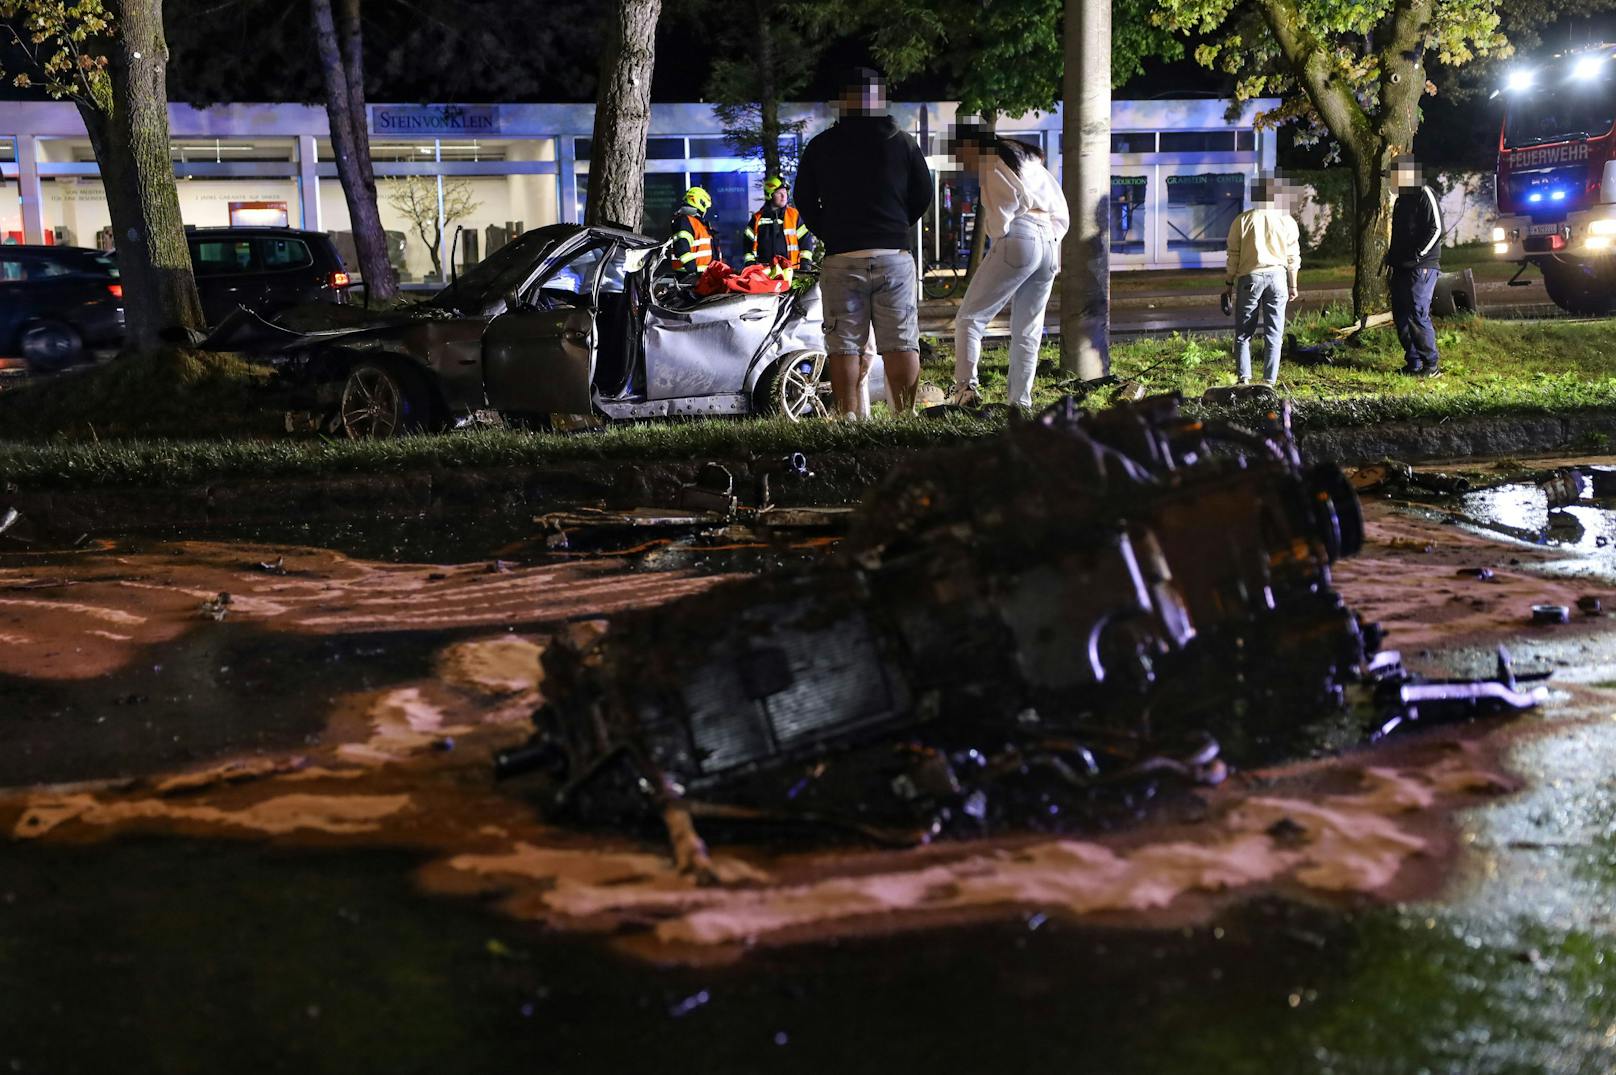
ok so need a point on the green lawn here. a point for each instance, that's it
(1491, 368)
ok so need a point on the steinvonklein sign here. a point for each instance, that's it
(434, 120)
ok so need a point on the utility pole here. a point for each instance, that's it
(1085, 316)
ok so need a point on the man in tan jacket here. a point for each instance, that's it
(1265, 253)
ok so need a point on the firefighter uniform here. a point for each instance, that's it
(778, 231)
(694, 246)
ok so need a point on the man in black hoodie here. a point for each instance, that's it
(861, 187)
(1413, 259)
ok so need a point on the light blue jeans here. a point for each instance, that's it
(1259, 303)
(1019, 269)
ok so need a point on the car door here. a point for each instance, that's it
(539, 358)
(706, 350)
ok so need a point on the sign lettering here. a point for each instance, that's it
(434, 120)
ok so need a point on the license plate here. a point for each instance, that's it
(1543, 229)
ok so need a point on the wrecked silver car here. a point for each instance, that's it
(565, 320)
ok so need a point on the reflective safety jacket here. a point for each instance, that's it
(777, 232)
(693, 245)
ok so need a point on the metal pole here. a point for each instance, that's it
(437, 157)
(1086, 169)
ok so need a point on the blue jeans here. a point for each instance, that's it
(1259, 303)
(1411, 311)
(1019, 269)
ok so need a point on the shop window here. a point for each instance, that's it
(1128, 215)
(731, 211)
(1133, 142)
(278, 253)
(1197, 141)
(713, 147)
(657, 149)
(216, 257)
(1201, 207)
(1245, 141)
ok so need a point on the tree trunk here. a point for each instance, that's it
(1085, 316)
(343, 72)
(129, 133)
(768, 93)
(1371, 234)
(623, 114)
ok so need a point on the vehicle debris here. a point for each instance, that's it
(1551, 614)
(1563, 488)
(1589, 605)
(1016, 632)
(1480, 574)
(216, 608)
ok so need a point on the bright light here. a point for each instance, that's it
(1558, 196)
(1588, 67)
(1498, 235)
(1606, 226)
(1535, 198)
(1500, 248)
(1519, 80)
(1597, 242)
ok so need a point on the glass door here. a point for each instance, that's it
(1198, 203)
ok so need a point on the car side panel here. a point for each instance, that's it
(706, 351)
(540, 361)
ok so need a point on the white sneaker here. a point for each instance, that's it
(965, 395)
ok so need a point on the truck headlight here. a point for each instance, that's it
(1606, 226)
(1500, 248)
(1498, 235)
(1597, 242)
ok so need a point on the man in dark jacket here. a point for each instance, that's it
(862, 186)
(1413, 259)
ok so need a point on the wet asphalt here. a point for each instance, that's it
(175, 953)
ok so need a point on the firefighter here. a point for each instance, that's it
(694, 245)
(777, 230)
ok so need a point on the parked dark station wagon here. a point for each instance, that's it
(264, 269)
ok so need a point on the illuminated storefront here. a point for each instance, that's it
(470, 177)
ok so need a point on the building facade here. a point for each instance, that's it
(468, 177)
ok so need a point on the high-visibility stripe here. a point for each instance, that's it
(1436, 214)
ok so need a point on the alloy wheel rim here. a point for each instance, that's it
(370, 405)
(799, 391)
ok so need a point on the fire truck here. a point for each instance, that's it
(1557, 176)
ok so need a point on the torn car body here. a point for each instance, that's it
(1013, 626)
(560, 321)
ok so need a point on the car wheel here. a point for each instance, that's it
(795, 387)
(376, 404)
(50, 345)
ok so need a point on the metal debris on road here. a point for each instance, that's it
(1546, 614)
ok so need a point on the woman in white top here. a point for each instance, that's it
(1025, 215)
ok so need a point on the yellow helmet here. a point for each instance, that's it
(772, 184)
(699, 198)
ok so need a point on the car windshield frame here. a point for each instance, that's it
(1561, 111)
(505, 270)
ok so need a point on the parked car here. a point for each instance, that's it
(264, 269)
(58, 304)
(563, 320)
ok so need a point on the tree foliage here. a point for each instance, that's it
(1337, 65)
(759, 62)
(1002, 56)
(62, 45)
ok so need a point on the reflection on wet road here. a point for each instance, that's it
(288, 814)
